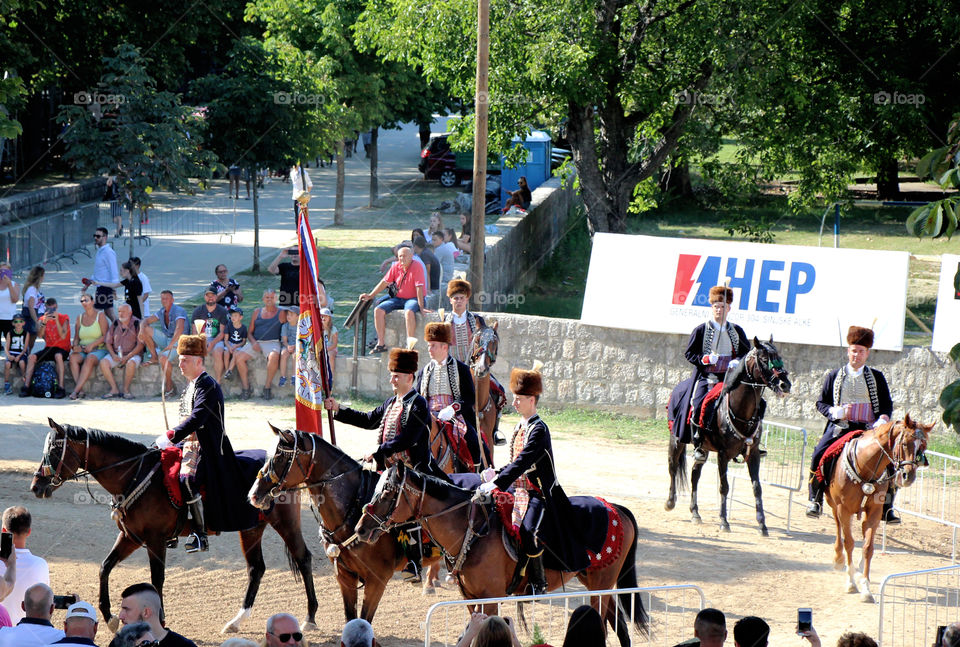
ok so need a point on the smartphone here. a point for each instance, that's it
(804, 620)
(293, 250)
(6, 544)
(63, 601)
(942, 629)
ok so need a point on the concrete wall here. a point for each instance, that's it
(31, 204)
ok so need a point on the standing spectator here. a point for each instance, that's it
(88, 346)
(264, 340)
(161, 343)
(147, 289)
(104, 272)
(30, 569)
(288, 343)
(287, 265)
(15, 350)
(34, 628)
(436, 224)
(124, 350)
(282, 630)
(235, 340)
(301, 184)
(137, 634)
(233, 175)
(140, 603)
(366, 138)
(55, 330)
(330, 339)
(33, 304)
(80, 625)
(751, 632)
(443, 251)
(214, 317)
(432, 263)
(132, 285)
(227, 289)
(409, 280)
(357, 633)
(710, 626)
(112, 195)
(9, 295)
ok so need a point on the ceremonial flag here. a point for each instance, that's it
(313, 368)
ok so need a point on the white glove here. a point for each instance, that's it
(838, 413)
(488, 475)
(882, 420)
(447, 413)
(714, 358)
(487, 488)
(162, 442)
(733, 364)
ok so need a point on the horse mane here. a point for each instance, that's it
(735, 376)
(442, 490)
(339, 453)
(108, 441)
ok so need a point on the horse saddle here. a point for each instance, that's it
(830, 457)
(708, 408)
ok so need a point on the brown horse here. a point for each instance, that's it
(859, 484)
(150, 519)
(486, 343)
(339, 487)
(471, 541)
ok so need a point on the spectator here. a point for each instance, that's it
(282, 630)
(436, 224)
(15, 351)
(330, 339)
(444, 254)
(141, 604)
(227, 289)
(287, 265)
(357, 633)
(8, 582)
(710, 627)
(236, 339)
(34, 628)
(135, 635)
(433, 270)
(133, 287)
(325, 301)
(124, 350)
(264, 340)
(450, 236)
(27, 569)
(463, 243)
(288, 342)
(521, 197)
(585, 628)
(751, 632)
(5, 617)
(302, 186)
(409, 281)
(88, 346)
(112, 195)
(233, 175)
(145, 282)
(80, 625)
(55, 330)
(489, 631)
(951, 637)
(9, 295)
(104, 272)
(161, 343)
(214, 317)
(33, 304)
(858, 639)
(238, 642)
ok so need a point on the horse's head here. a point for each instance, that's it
(909, 442)
(58, 463)
(388, 507)
(486, 343)
(767, 367)
(278, 472)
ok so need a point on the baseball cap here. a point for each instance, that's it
(81, 610)
(326, 311)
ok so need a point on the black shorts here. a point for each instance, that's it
(50, 353)
(103, 299)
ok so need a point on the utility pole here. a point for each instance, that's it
(482, 102)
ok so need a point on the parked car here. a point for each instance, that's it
(438, 162)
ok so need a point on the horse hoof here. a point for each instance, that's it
(867, 597)
(230, 628)
(839, 565)
(113, 624)
(764, 532)
(724, 526)
(309, 625)
(696, 519)
(429, 590)
(852, 588)
(669, 505)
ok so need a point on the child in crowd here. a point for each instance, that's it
(436, 223)
(235, 340)
(288, 343)
(15, 351)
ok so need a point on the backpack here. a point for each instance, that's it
(44, 381)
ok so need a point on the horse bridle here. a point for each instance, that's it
(277, 480)
(776, 368)
(46, 468)
(480, 349)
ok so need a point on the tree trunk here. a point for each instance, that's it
(341, 181)
(888, 182)
(374, 134)
(583, 149)
(256, 224)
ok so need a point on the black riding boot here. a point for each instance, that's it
(816, 498)
(699, 456)
(889, 515)
(535, 575)
(198, 540)
(413, 571)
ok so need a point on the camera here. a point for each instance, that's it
(804, 620)
(6, 544)
(63, 601)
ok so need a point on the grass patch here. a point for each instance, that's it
(597, 424)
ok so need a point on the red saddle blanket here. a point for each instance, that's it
(708, 400)
(458, 442)
(170, 465)
(833, 452)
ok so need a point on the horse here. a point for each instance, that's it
(339, 487)
(735, 429)
(474, 549)
(150, 519)
(486, 343)
(859, 485)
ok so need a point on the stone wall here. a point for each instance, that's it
(51, 199)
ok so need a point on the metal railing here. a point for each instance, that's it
(671, 611)
(48, 240)
(914, 604)
(783, 467)
(179, 217)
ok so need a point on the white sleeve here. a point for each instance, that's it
(145, 282)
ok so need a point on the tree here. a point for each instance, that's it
(143, 136)
(942, 165)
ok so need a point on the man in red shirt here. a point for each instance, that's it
(54, 327)
(410, 284)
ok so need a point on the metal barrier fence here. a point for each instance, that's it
(913, 605)
(934, 495)
(671, 611)
(179, 216)
(49, 239)
(783, 467)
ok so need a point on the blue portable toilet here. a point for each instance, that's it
(536, 169)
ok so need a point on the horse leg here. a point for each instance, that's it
(348, 583)
(252, 547)
(122, 548)
(431, 578)
(673, 464)
(724, 490)
(373, 588)
(753, 467)
(848, 545)
(298, 555)
(869, 528)
(694, 480)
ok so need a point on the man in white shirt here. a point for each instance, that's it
(35, 629)
(80, 625)
(145, 295)
(301, 182)
(30, 569)
(104, 271)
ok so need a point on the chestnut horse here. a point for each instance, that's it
(118, 465)
(338, 487)
(470, 539)
(859, 484)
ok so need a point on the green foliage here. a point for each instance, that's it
(538, 637)
(941, 165)
(12, 87)
(950, 396)
(742, 226)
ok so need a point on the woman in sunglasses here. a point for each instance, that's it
(136, 634)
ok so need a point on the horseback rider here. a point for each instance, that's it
(854, 396)
(208, 459)
(715, 346)
(447, 386)
(465, 325)
(541, 507)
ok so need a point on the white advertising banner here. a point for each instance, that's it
(946, 324)
(805, 295)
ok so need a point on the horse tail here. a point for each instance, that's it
(627, 578)
(678, 465)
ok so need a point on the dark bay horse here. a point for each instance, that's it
(486, 343)
(734, 429)
(477, 555)
(339, 487)
(119, 465)
(859, 484)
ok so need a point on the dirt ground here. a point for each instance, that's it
(739, 572)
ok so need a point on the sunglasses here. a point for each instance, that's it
(98, 235)
(296, 635)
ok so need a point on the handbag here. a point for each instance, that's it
(393, 288)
